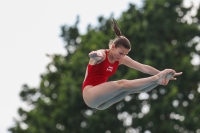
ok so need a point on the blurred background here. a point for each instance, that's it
(44, 43)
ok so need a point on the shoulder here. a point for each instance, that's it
(125, 60)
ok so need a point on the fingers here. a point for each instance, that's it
(177, 74)
(173, 78)
(170, 75)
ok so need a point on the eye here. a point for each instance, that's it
(120, 53)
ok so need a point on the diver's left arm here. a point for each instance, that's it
(126, 60)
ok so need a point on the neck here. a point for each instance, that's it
(110, 56)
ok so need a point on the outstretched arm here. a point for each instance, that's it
(138, 66)
(146, 68)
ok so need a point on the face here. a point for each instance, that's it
(119, 52)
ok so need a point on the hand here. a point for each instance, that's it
(94, 54)
(166, 75)
(176, 74)
(172, 75)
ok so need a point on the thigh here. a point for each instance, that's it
(114, 100)
(97, 95)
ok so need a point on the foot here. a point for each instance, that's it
(164, 76)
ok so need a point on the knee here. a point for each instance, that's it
(123, 83)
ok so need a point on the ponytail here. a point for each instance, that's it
(120, 40)
(115, 28)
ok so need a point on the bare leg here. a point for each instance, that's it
(122, 96)
(146, 89)
(97, 95)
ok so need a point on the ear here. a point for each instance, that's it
(112, 46)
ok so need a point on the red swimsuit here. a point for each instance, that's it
(100, 73)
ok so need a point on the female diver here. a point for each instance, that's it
(99, 93)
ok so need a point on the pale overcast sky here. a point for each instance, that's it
(28, 30)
